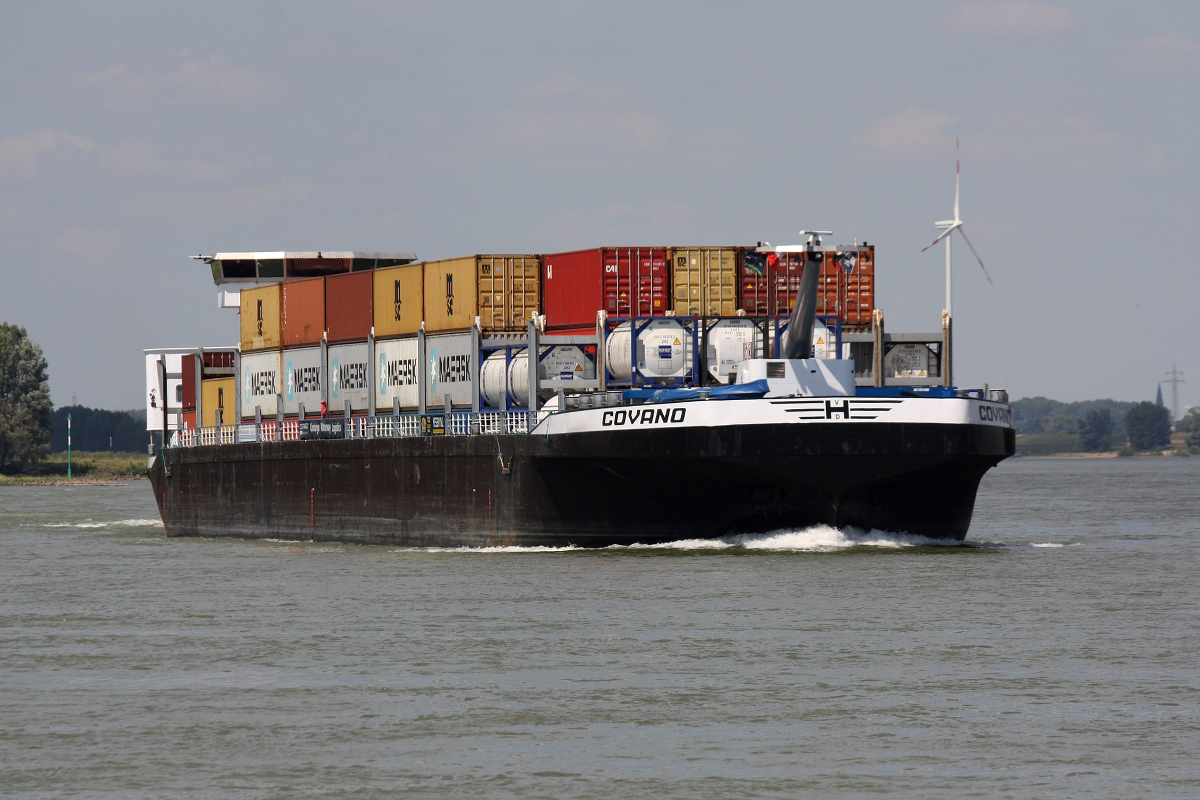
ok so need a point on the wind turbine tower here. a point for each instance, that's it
(948, 227)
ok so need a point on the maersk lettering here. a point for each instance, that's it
(643, 416)
(262, 384)
(454, 369)
(401, 372)
(352, 376)
(307, 379)
(995, 414)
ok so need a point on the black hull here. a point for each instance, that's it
(587, 489)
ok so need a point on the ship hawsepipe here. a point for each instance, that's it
(595, 477)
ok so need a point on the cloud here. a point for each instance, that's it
(18, 154)
(616, 128)
(1166, 53)
(89, 242)
(912, 133)
(252, 199)
(211, 80)
(142, 159)
(1069, 141)
(1009, 16)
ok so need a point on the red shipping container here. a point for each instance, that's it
(188, 381)
(303, 311)
(349, 310)
(770, 289)
(624, 281)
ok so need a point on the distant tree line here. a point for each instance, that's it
(1104, 425)
(97, 429)
(1043, 415)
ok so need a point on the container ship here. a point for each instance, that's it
(599, 397)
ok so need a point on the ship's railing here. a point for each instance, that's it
(390, 426)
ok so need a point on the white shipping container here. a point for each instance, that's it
(261, 383)
(154, 390)
(302, 380)
(349, 377)
(396, 362)
(449, 358)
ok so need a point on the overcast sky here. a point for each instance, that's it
(135, 134)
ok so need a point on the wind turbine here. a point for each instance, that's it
(948, 227)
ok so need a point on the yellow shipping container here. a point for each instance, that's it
(217, 393)
(399, 300)
(261, 319)
(704, 281)
(502, 290)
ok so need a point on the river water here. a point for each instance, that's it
(1057, 654)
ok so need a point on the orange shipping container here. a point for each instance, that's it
(303, 311)
(502, 290)
(399, 300)
(260, 309)
(348, 307)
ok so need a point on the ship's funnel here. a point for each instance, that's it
(797, 340)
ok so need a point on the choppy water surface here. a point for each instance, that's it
(1056, 654)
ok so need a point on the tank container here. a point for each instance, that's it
(624, 281)
(303, 311)
(260, 317)
(348, 307)
(562, 362)
(399, 300)
(824, 341)
(502, 290)
(663, 350)
(729, 342)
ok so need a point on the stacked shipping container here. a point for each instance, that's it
(283, 325)
(623, 281)
(846, 285)
(286, 327)
(705, 281)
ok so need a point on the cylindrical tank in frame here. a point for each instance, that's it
(663, 350)
(729, 343)
(564, 362)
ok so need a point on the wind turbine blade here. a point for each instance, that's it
(977, 258)
(941, 236)
(957, 174)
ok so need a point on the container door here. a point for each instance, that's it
(396, 360)
(451, 300)
(348, 377)
(398, 300)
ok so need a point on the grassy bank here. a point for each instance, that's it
(1067, 444)
(85, 466)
